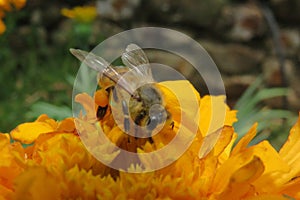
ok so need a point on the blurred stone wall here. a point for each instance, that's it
(235, 33)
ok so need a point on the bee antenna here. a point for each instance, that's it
(136, 96)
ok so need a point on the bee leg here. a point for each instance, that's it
(151, 140)
(126, 116)
(135, 132)
(126, 119)
(101, 112)
(172, 125)
(114, 94)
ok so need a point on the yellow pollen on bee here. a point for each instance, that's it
(101, 98)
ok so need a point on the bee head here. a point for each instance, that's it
(157, 115)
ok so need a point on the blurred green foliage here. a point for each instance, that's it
(33, 72)
(273, 124)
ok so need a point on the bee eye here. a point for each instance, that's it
(158, 111)
(152, 123)
(157, 115)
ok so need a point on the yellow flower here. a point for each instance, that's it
(18, 4)
(12, 163)
(29, 132)
(59, 166)
(84, 14)
(36, 183)
(6, 6)
(2, 26)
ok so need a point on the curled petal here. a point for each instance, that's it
(28, 132)
(244, 141)
(67, 125)
(89, 106)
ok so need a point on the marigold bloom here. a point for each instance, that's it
(29, 132)
(84, 14)
(58, 166)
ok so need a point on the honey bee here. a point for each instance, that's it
(145, 106)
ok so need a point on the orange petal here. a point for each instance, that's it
(67, 13)
(228, 168)
(32, 184)
(275, 167)
(12, 162)
(5, 135)
(67, 125)
(5, 193)
(272, 161)
(291, 148)
(181, 102)
(240, 181)
(217, 141)
(48, 120)
(28, 132)
(245, 140)
(290, 153)
(230, 117)
(84, 14)
(227, 151)
(19, 3)
(214, 114)
(224, 140)
(292, 188)
(2, 26)
(61, 151)
(249, 172)
(268, 197)
(2, 14)
(88, 104)
(5, 5)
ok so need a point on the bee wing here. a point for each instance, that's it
(135, 58)
(99, 64)
(95, 62)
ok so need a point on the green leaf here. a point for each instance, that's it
(250, 110)
(56, 112)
